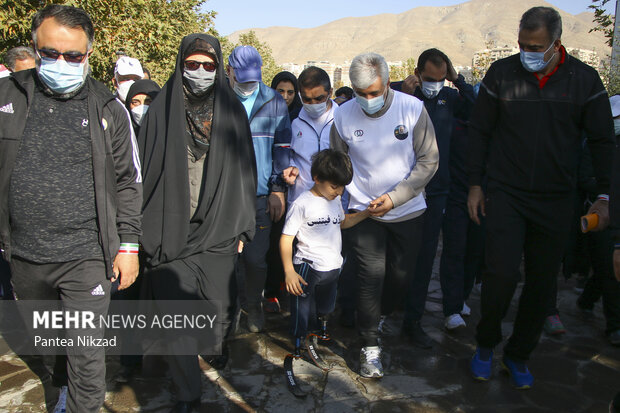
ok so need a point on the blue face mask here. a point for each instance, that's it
(60, 76)
(535, 61)
(370, 106)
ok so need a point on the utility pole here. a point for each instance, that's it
(615, 50)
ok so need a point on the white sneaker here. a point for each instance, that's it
(454, 321)
(61, 405)
(466, 311)
(370, 362)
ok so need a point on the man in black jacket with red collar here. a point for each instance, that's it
(526, 129)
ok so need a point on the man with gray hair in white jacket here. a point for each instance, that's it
(391, 142)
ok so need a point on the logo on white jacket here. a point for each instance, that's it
(401, 132)
(358, 133)
(7, 108)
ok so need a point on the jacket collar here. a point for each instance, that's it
(265, 94)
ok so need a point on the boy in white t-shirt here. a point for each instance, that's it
(315, 219)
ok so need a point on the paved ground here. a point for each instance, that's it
(579, 372)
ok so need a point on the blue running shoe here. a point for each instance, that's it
(519, 373)
(481, 364)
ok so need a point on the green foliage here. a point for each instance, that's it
(401, 72)
(149, 30)
(604, 21)
(270, 67)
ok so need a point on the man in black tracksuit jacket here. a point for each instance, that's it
(525, 135)
(70, 191)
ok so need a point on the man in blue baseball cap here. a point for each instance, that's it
(271, 135)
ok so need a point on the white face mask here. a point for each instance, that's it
(245, 90)
(138, 113)
(123, 89)
(199, 81)
(431, 89)
(617, 126)
(315, 110)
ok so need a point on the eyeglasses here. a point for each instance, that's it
(69, 57)
(194, 65)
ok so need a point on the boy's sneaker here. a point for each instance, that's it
(256, 318)
(481, 362)
(272, 305)
(454, 321)
(553, 325)
(370, 362)
(466, 311)
(519, 373)
(61, 405)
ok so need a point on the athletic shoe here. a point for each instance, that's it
(370, 362)
(125, 374)
(519, 373)
(272, 305)
(481, 362)
(466, 311)
(614, 338)
(61, 405)
(454, 321)
(416, 335)
(186, 407)
(256, 318)
(553, 325)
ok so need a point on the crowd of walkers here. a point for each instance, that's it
(295, 197)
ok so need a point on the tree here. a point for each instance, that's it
(149, 30)
(604, 21)
(270, 67)
(401, 72)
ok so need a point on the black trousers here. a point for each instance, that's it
(319, 299)
(418, 289)
(74, 282)
(385, 254)
(532, 226)
(603, 282)
(204, 276)
(463, 246)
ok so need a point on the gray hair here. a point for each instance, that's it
(365, 69)
(542, 17)
(17, 53)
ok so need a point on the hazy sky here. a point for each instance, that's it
(242, 14)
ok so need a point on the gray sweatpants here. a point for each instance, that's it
(74, 282)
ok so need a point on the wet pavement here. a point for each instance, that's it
(578, 372)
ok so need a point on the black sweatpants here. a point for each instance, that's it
(533, 226)
(386, 255)
(603, 282)
(74, 281)
(418, 289)
(204, 276)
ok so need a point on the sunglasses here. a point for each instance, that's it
(194, 65)
(69, 57)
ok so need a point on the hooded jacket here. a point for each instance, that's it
(116, 167)
(226, 209)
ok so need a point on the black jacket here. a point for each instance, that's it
(528, 138)
(116, 167)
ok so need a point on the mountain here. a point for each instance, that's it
(458, 30)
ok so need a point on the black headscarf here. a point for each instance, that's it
(296, 105)
(226, 207)
(143, 86)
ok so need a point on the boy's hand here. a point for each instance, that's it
(292, 283)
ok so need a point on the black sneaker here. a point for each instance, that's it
(125, 374)
(416, 335)
(614, 338)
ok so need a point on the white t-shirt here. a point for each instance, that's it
(315, 222)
